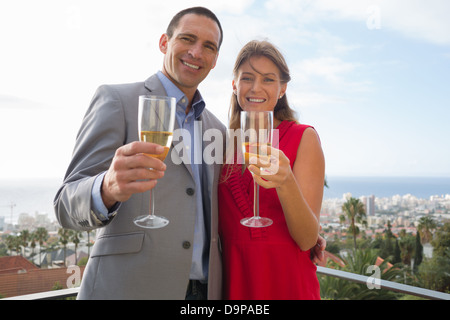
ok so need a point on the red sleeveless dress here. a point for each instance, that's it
(262, 263)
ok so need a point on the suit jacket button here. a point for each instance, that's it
(190, 191)
(186, 244)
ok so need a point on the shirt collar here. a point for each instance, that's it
(198, 105)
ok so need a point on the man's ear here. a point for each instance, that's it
(163, 43)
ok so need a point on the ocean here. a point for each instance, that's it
(37, 196)
(380, 187)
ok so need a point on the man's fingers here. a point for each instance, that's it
(138, 147)
(135, 155)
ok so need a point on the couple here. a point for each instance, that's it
(107, 181)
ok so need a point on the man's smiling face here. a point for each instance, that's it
(191, 53)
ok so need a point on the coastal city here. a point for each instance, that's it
(36, 249)
(403, 212)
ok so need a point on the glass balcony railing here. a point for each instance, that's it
(381, 284)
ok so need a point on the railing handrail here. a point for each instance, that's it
(384, 284)
(48, 295)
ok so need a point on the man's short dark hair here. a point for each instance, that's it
(201, 11)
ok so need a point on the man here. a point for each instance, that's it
(107, 181)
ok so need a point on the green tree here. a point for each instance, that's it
(354, 212)
(426, 227)
(387, 245)
(11, 243)
(24, 238)
(418, 255)
(41, 235)
(75, 238)
(397, 253)
(358, 262)
(64, 236)
(442, 240)
(434, 273)
(407, 245)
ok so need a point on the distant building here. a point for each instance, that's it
(18, 277)
(369, 204)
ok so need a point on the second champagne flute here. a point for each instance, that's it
(257, 132)
(156, 124)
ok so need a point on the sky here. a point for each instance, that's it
(371, 76)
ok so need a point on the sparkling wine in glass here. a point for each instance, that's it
(257, 128)
(156, 122)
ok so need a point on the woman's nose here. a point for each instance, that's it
(256, 86)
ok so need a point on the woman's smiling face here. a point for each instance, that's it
(258, 84)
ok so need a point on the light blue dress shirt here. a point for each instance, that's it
(191, 136)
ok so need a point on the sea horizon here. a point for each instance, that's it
(387, 186)
(37, 194)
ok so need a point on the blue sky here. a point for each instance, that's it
(371, 76)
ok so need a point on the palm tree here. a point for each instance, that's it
(355, 213)
(33, 243)
(407, 245)
(75, 238)
(426, 227)
(358, 262)
(64, 235)
(42, 236)
(24, 239)
(11, 243)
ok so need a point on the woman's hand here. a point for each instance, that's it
(271, 171)
(300, 189)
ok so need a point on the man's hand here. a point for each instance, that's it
(130, 172)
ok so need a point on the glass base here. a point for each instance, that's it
(151, 222)
(256, 222)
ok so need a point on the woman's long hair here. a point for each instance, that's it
(264, 48)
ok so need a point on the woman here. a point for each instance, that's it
(272, 262)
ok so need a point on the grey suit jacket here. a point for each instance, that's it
(128, 262)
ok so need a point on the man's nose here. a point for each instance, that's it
(196, 51)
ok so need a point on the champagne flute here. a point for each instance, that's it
(156, 123)
(257, 128)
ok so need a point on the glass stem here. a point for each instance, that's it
(152, 204)
(256, 200)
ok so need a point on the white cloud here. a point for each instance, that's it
(56, 52)
(331, 69)
(425, 20)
